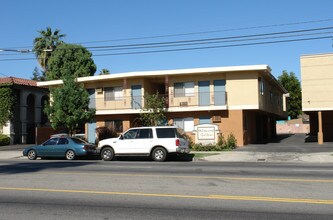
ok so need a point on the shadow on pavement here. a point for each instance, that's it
(36, 166)
(280, 138)
(292, 143)
(170, 158)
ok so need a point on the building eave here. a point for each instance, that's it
(114, 76)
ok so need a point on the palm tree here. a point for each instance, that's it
(104, 72)
(45, 44)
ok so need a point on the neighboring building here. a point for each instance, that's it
(243, 100)
(317, 94)
(27, 110)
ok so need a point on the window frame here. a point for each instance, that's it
(183, 89)
(184, 125)
(113, 93)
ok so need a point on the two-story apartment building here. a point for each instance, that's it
(317, 94)
(27, 112)
(243, 100)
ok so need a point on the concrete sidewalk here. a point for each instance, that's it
(12, 151)
(237, 156)
(11, 154)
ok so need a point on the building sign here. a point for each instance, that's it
(206, 133)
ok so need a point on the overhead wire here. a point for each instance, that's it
(197, 33)
(213, 47)
(209, 32)
(184, 43)
(192, 48)
(214, 39)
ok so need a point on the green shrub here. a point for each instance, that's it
(231, 141)
(105, 132)
(221, 145)
(4, 140)
(221, 141)
(201, 147)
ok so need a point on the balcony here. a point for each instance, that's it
(188, 102)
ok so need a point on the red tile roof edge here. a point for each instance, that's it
(18, 81)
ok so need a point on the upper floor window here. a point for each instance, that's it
(187, 124)
(204, 120)
(113, 93)
(184, 89)
(261, 85)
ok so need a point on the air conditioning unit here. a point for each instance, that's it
(216, 118)
(99, 90)
(183, 104)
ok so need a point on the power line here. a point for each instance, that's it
(194, 48)
(214, 42)
(211, 40)
(197, 33)
(14, 59)
(207, 32)
(4, 75)
(217, 46)
(215, 39)
(214, 47)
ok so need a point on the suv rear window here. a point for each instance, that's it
(166, 132)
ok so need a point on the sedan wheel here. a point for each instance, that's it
(107, 154)
(32, 155)
(159, 154)
(70, 155)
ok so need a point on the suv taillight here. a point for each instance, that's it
(177, 142)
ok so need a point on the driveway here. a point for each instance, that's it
(286, 148)
(293, 143)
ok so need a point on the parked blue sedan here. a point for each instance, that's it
(68, 147)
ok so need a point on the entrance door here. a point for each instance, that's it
(91, 132)
(219, 92)
(136, 97)
(204, 95)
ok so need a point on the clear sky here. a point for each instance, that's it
(112, 22)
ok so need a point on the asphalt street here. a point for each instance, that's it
(95, 189)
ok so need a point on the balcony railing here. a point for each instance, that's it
(137, 102)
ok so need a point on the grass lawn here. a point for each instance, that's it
(202, 155)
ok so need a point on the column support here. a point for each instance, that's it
(320, 128)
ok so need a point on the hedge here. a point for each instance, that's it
(4, 140)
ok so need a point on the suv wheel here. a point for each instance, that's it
(159, 154)
(107, 154)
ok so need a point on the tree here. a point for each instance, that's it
(154, 110)
(70, 105)
(7, 100)
(70, 59)
(37, 76)
(104, 72)
(45, 44)
(291, 83)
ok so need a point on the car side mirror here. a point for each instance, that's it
(121, 137)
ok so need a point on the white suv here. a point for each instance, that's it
(156, 142)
